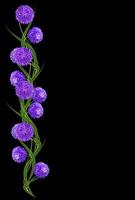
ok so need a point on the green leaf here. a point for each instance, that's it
(28, 190)
(33, 179)
(36, 75)
(33, 161)
(24, 34)
(17, 113)
(25, 72)
(33, 52)
(39, 149)
(26, 183)
(13, 34)
(27, 104)
(25, 146)
(27, 29)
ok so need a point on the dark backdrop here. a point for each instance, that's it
(50, 125)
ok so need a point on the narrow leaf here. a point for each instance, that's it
(17, 113)
(13, 34)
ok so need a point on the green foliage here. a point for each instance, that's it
(35, 147)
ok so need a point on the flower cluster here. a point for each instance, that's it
(26, 92)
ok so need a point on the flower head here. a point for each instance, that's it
(24, 90)
(41, 170)
(35, 35)
(22, 131)
(21, 56)
(19, 154)
(16, 77)
(39, 95)
(24, 14)
(35, 110)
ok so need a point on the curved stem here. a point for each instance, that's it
(29, 166)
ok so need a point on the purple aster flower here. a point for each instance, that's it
(22, 131)
(39, 95)
(19, 154)
(24, 90)
(35, 35)
(41, 170)
(21, 56)
(24, 14)
(16, 77)
(35, 110)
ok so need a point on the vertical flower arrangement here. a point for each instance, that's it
(30, 99)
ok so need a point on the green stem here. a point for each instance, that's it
(31, 162)
(25, 73)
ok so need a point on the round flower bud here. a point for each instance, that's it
(19, 154)
(39, 95)
(24, 14)
(16, 77)
(35, 110)
(41, 170)
(21, 56)
(24, 90)
(35, 35)
(23, 131)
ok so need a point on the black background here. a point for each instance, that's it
(50, 126)
(66, 79)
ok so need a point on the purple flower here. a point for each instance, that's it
(16, 77)
(22, 131)
(35, 110)
(24, 14)
(21, 56)
(41, 170)
(19, 154)
(24, 90)
(39, 95)
(35, 35)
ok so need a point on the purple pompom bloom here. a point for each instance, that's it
(35, 110)
(24, 90)
(24, 14)
(19, 154)
(22, 131)
(35, 35)
(39, 95)
(16, 77)
(41, 170)
(21, 56)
